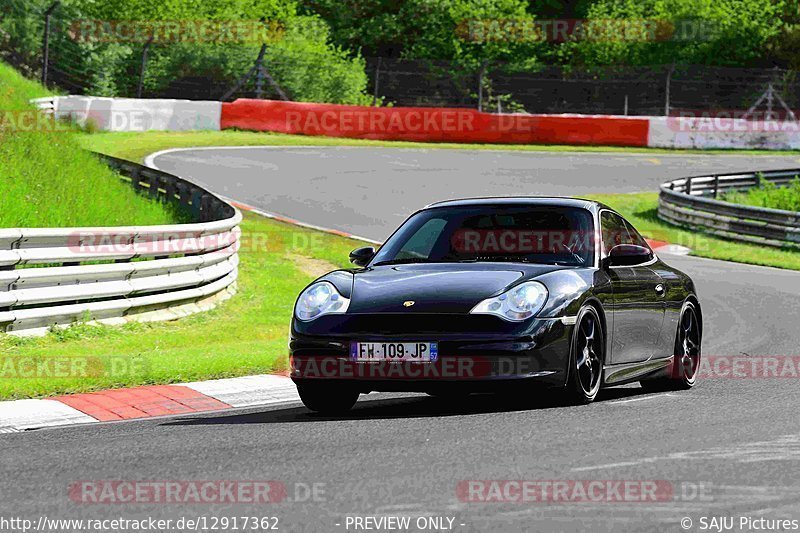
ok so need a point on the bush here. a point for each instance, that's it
(705, 32)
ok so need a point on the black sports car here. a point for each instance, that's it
(498, 294)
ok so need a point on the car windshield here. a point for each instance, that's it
(491, 233)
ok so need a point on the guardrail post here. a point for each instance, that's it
(716, 185)
(134, 175)
(170, 187)
(153, 181)
(197, 197)
(688, 189)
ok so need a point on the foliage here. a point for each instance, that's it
(704, 32)
(301, 58)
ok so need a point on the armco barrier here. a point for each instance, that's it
(431, 124)
(108, 274)
(692, 202)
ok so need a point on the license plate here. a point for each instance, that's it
(424, 352)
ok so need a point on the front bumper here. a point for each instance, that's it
(476, 352)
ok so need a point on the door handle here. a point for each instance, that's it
(660, 289)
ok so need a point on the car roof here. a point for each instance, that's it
(555, 201)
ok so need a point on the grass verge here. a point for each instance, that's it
(767, 194)
(47, 180)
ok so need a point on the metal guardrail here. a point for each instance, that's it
(691, 202)
(112, 272)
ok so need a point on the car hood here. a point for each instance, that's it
(434, 288)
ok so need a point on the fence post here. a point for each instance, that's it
(480, 86)
(377, 82)
(143, 67)
(260, 72)
(626, 105)
(46, 41)
(669, 84)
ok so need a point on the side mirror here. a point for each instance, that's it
(628, 255)
(362, 256)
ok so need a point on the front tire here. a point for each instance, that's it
(687, 351)
(326, 398)
(587, 355)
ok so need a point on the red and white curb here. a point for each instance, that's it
(667, 248)
(146, 402)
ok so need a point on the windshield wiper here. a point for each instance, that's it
(407, 260)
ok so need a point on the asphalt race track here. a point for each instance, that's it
(730, 447)
(369, 191)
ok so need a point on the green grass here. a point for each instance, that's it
(769, 195)
(135, 146)
(47, 180)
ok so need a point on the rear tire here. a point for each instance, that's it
(686, 360)
(327, 399)
(587, 356)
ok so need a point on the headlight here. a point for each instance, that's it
(516, 304)
(320, 299)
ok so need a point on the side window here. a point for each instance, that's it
(422, 242)
(614, 231)
(637, 238)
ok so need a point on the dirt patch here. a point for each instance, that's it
(310, 266)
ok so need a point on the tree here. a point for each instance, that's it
(706, 32)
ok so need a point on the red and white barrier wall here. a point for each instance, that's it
(431, 124)
(706, 131)
(135, 114)
(456, 125)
